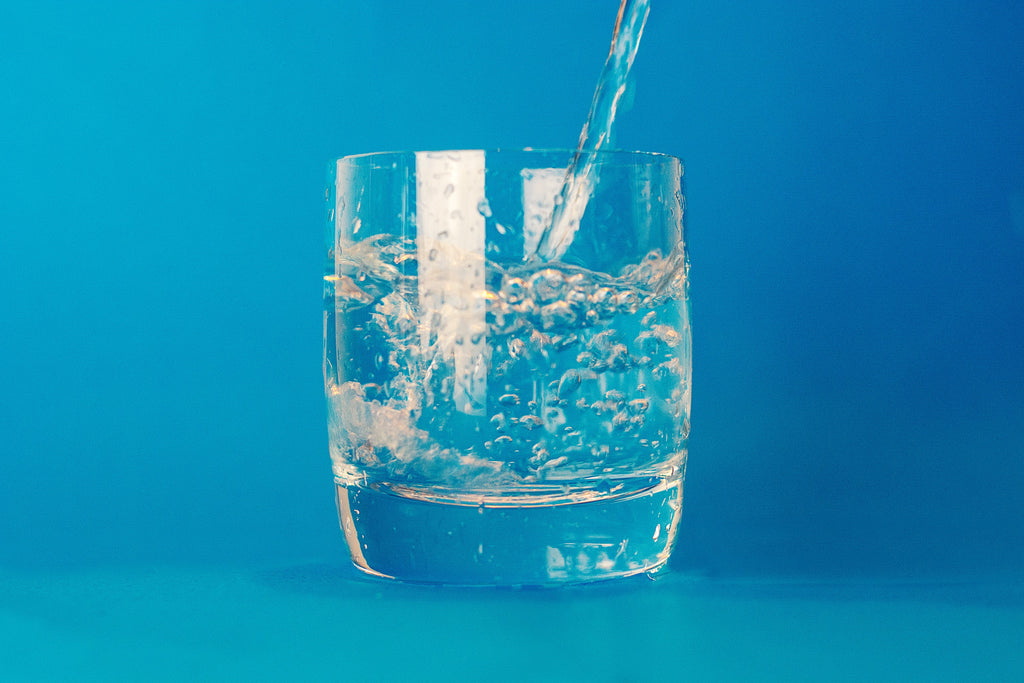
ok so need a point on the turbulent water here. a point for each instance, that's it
(573, 377)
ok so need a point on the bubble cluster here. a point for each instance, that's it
(584, 374)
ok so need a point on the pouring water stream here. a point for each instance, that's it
(582, 174)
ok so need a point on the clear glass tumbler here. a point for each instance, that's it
(506, 405)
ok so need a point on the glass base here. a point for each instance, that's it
(525, 541)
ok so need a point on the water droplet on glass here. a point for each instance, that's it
(448, 190)
(484, 208)
(432, 255)
(508, 400)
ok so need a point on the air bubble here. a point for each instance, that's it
(668, 335)
(603, 300)
(569, 383)
(638, 406)
(617, 359)
(530, 422)
(526, 308)
(627, 302)
(513, 289)
(669, 367)
(516, 348)
(614, 396)
(557, 314)
(547, 285)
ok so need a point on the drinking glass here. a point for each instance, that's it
(508, 402)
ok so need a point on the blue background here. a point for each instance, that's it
(855, 181)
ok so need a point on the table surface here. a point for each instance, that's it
(320, 621)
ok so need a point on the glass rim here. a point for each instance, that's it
(611, 153)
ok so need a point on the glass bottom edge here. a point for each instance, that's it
(417, 540)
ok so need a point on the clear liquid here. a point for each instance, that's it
(582, 174)
(578, 385)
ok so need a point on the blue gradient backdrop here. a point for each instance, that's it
(855, 177)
